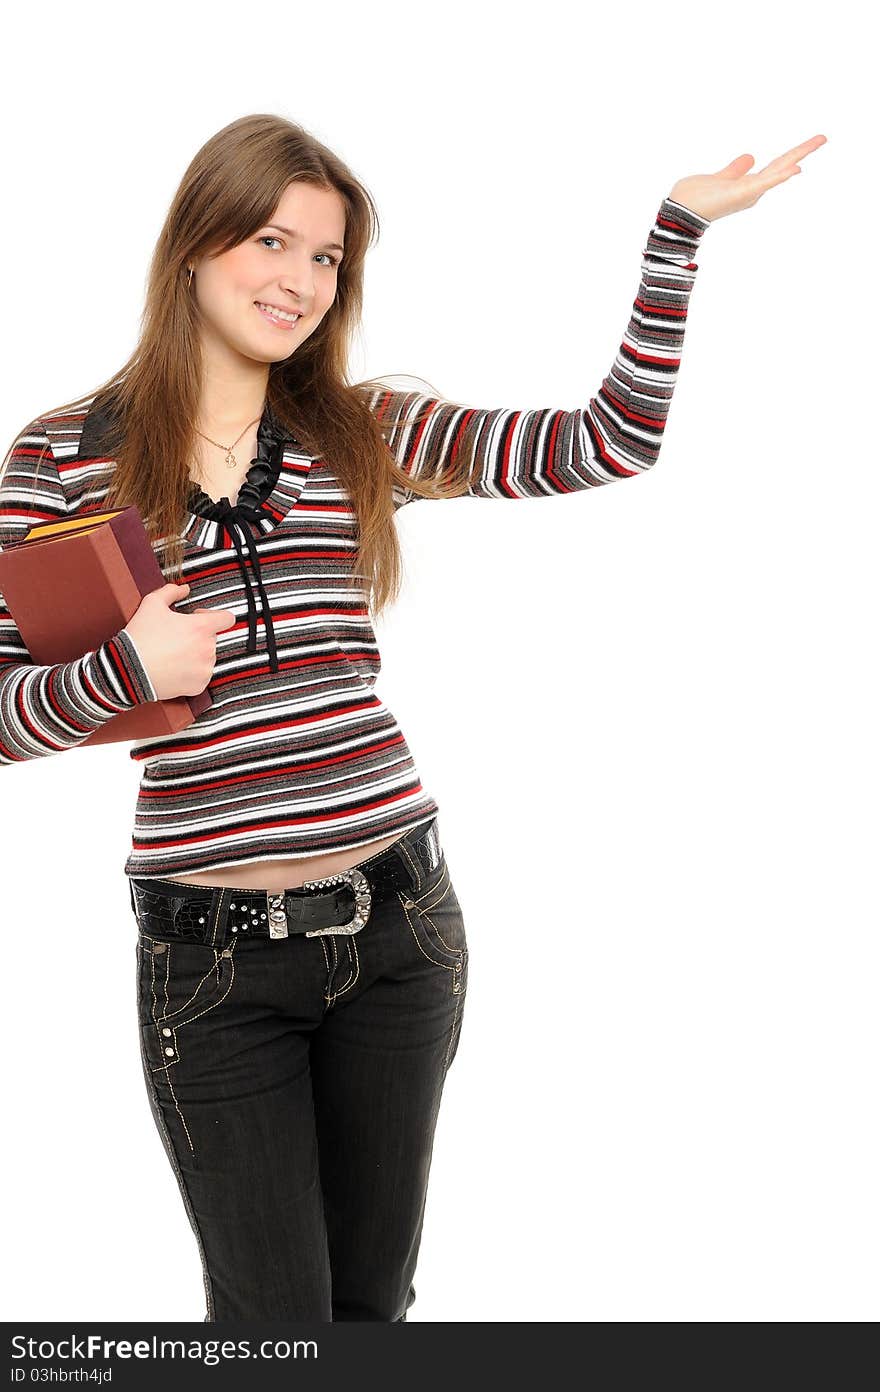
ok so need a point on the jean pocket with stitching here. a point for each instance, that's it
(179, 982)
(437, 924)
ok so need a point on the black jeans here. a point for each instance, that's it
(296, 1085)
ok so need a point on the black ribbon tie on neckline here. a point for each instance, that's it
(259, 482)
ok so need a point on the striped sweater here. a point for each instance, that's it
(298, 755)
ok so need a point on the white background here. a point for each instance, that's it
(647, 711)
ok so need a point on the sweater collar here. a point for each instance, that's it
(268, 494)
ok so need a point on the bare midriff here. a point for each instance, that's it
(290, 873)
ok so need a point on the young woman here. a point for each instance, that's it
(301, 951)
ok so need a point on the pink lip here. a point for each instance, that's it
(286, 311)
(284, 325)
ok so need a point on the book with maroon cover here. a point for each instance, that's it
(71, 585)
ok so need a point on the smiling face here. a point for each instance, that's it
(294, 270)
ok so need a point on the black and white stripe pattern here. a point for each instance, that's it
(309, 759)
(47, 709)
(541, 453)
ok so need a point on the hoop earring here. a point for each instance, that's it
(190, 281)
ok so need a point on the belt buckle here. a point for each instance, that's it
(277, 915)
(278, 927)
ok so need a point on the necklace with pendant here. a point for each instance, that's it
(231, 460)
(260, 479)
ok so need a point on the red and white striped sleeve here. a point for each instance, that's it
(545, 452)
(48, 709)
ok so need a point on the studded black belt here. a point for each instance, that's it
(339, 903)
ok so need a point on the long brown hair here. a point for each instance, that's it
(229, 191)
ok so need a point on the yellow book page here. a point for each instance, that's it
(84, 523)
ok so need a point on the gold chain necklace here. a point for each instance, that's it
(231, 460)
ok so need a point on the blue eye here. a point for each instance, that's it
(334, 260)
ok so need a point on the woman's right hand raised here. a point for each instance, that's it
(178, 650)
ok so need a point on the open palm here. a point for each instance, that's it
(732, 188)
